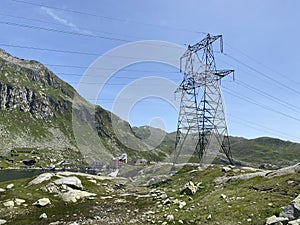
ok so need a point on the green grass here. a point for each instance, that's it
(245, 200)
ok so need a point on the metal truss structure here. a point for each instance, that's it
(201, 123)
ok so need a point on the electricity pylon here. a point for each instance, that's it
(201, 123)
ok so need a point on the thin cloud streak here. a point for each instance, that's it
(63, 21)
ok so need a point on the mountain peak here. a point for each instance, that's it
(30, 64)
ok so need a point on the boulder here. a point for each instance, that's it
(10, 186)
(189, 188)
(226, 169)
(170, 218)
(42, 202)
(72, 182)
(2, 221)
(274, 220)
(223, 196)
(181, 204)
(19, 201)
(43, 216)
(74, 195)
(292, 210)
(294, 222)
(286, 170)
(9, 204)
(2, 190)
(41, 178)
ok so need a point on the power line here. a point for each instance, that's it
(109, 18)
(59, 24)
(259, 104)
(62, 31)
(263, 74)
(260, 63)
(70, 52)
(273, 98)
(260, 127)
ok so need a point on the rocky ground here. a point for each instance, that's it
(216, 195)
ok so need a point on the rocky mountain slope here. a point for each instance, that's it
(40, 112)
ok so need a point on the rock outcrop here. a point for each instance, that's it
(289, 215)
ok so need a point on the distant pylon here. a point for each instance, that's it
(201, 123)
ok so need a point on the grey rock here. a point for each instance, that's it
(2, 221)
(19, 201)
(170, 218)
(72, 182)
(9, 204)
(274, 220)
(181, 204)
(74, 223)
(2, 190)
(223, 196)
(292, 210)
(10, 186)
(189, 188)
(43, 216)
(294, 222)
(41, 178)
(226, 169)
(42, 202)
(74, 195)
(286, 170)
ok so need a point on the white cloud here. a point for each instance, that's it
(64, 21)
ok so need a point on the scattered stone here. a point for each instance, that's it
(163, 196)
(43, 216)
(292, 210)
(290, 181)
(72, 182)
(223, 196)
(74, 195)
(19, 201)
(10, 186)
(51, 188)
(209, 217)
(294, 222)
(2, 190)
(106, 197)
(42, 202)
(9, 204)
(273, 220)
(74, 223)
(249, 220)
(270, 204)
(41, 178)
(166, 202)
(170, 217)
(189, 188)
(120, 201)
(2, 221)
(226, 169)
(181, 204)
(93, 181)
(180, 221)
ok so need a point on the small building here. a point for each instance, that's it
(118, 162)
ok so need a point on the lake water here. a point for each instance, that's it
(6, 175)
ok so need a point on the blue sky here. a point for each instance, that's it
(260, 42)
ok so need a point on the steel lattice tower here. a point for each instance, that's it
(201, 123)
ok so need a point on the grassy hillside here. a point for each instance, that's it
(120, 201)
